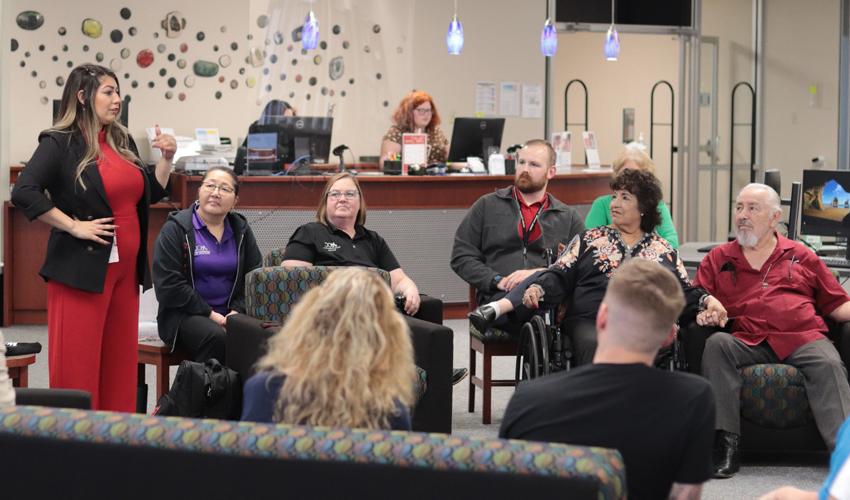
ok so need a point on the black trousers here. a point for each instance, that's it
(582, 334)
(201, 339)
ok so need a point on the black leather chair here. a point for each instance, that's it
(55, 398)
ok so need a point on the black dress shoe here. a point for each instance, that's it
(727, 460)
(482, 317)
(458, 374)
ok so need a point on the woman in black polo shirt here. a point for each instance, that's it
(339, 238)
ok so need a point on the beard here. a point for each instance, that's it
(746, 238)
(526, 184)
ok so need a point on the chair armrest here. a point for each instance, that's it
(54, 398)
(692, 340)
(430, 309)
(246, 342)
(433, 348)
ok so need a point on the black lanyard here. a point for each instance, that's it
(526, 232)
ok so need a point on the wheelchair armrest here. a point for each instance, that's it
(692, 339)
(430, 309)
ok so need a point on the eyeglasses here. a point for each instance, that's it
(424, 111)
(349, 195)
(210, 187)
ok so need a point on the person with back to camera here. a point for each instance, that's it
(660, 421)
(99, 194)
(600, 212)
(416, 113)
(344, 358)
(199, 264)
(272, 112)
(581, 273)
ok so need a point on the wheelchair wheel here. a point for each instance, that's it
(529, 351)
(542, 333)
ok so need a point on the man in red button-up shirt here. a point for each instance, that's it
(776, 292)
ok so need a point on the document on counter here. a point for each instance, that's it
(414, 149)
(485, 98)
(509, 99)
(532, 101)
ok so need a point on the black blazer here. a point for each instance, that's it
(74, 262)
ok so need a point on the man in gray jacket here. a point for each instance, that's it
(506, 235)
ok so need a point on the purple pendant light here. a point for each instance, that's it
(612, 40)
(310, 32)
(549, 39)
(454, 37)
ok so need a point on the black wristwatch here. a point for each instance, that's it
(494, 285)
(702, 306)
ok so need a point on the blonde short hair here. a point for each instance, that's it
(637, 155)
(346, 353)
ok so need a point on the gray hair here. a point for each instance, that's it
(773, 200)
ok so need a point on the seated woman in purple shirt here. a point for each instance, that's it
(343, 359)
(200, 260)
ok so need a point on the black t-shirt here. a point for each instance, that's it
(324, 245)
(661, 422)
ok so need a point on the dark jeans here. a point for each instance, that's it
(201, 339)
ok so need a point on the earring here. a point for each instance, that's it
(641, 214)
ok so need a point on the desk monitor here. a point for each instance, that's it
(295, 139)
(476, 137)
(826, 203)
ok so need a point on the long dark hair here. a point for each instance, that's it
(81, 116)
(646, 189)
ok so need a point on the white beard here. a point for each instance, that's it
(746, 239)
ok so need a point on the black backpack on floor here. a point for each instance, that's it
(203, 390)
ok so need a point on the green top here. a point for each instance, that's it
(600, 215)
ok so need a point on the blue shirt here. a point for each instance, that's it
(214, 264)
(261, 392)
(837, 462)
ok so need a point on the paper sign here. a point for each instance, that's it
(414, 149)
(563, 146)
(590, 149)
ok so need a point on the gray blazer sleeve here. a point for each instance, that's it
(467, 258)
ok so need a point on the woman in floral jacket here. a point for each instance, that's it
(579, 278)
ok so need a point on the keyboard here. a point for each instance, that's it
(838, 262)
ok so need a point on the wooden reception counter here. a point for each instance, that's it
(25, 294)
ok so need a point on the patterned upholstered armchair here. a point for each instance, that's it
(775, 412)
(270, 294)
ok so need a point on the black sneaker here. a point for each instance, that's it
(458, 374)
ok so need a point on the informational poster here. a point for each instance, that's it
(485, 98)
(563, 146)
(509, 99)
(532, 101)
(414, 149)
(590, 149)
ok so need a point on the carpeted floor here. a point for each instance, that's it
(754, 479)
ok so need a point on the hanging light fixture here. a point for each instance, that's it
(612, 40)
(310, 32)
(549, 39)
(454, 37)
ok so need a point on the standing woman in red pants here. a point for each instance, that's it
(85, 180)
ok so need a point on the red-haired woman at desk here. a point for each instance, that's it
(416, 113)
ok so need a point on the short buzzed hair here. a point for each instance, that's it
(650, 294)
(550, 151)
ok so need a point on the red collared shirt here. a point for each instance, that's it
(528, 213)
(783, 302)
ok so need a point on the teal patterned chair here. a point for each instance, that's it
(272, 292)
(52, 453)
(775, 412)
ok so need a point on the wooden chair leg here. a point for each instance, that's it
(471, 383)
(488, 387)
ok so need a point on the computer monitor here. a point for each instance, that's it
(773, 178)
(826, 203)
(287, 140)
(476, 137)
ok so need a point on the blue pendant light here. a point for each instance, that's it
(549, 39)
(454, 37)
(612, 40)
(310, 32)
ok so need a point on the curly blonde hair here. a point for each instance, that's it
(346, 353)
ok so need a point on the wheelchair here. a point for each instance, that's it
(545, 348)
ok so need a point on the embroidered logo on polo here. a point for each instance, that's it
(201, 250)
(330, 246)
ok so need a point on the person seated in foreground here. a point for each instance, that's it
(339, 238)
(837, 484)
(344, 358)
(600, 212)
(580, 275)
(660, 421)
(779, 292)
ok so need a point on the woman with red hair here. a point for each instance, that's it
(416, 113)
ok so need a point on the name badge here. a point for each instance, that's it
(113, 254)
